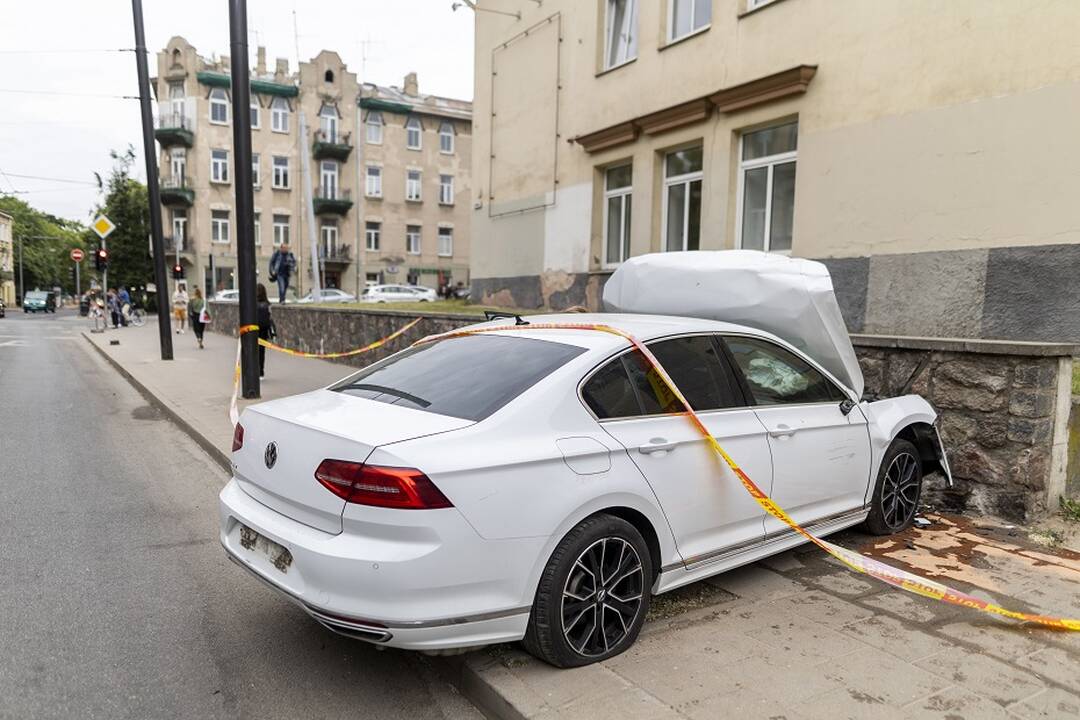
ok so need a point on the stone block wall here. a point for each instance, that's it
(1003, 416)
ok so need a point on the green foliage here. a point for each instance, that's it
(1076, 377)
(127, 205)
(1070, 509)
(46, 243)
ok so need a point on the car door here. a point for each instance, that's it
(820, 453)
(706, 506)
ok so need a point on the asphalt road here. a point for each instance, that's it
(117, 600)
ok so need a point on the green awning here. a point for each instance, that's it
(388, 106)
(263, 87)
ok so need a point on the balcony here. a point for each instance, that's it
(328, 202)
(177, 192)
(175, 129)
(335, 254)
(331, 146)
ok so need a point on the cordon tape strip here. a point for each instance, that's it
(886, 573)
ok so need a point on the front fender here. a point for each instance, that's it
(887, 419)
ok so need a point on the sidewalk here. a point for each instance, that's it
(195, 387)
(794, 636)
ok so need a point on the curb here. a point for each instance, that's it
(212, 450)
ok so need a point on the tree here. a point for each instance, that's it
(127, 204)
(47, 241)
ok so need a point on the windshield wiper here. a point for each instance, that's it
(386, 391)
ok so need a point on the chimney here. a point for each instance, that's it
(260, 61)
(281, 70)
(412, 89)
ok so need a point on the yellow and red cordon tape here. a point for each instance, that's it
(234, 414)
(859, 563)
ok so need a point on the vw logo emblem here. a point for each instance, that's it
(270, 456)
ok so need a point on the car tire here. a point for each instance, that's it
(568, 636)
(898, 490)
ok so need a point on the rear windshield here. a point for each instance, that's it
(466, 377)
(37, 295)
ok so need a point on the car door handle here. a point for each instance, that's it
(656, 445)
(782, 430)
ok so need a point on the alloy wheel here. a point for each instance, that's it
(900, 490)
(602, 596)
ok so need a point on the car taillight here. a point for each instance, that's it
(237, 437)
(389, 487)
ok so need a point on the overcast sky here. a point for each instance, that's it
(68, 136)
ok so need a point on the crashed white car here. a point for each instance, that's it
(540, 484)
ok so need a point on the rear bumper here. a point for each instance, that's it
(426, 587)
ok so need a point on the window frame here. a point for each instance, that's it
(409, 235)
(256, 175)
(606, 63)
(330, 169)
(440, 234)
(329, 239)
(671, 37)
(216, 224)
(280, 230)
(285, 172)
(369, 126)
(372, 233)
(257, 222)
(218, 97)
(419, 185)
(770, 162)
(747, 391)
(256, 114)
(179, 227)
(378, 177)
(625, 192)
(221, 178)
(409, 130)
(279, 115)
(446, 130)
(669, 182)
(446, 189)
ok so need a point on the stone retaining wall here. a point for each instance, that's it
(1004, 406)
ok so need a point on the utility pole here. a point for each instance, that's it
(245, 203)
(153, 189)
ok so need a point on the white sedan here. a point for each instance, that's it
(329, 295)
(398, 293)
(541, 485)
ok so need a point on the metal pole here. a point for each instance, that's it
(245, 203)
(160, 279)
(22, 283)
(78, 287)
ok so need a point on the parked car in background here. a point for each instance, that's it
(227, 296)
(329, 295)
(39, 301)
(291, 295)
(398, 293)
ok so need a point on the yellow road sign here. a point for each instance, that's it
(102, 226)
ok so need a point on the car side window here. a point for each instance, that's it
(776, 376)
(609, 393)
(695, 365)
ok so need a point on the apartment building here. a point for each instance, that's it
(7, 261)
(926, 152)
(194, 131)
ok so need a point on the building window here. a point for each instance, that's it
(374, 128)
(179, 228)
(219, 166)
(618, 186)
(767, 188)
(281, 229)
(620, 32)
(413, 133)
(258, 230)
(280, 179)
(328, 179)
(328, 233)
(328, 123)
(256, 179)
(279, 115)
(412, 185)
(373, 185)
(328, 76)
(254, 114)
(372, 230)
(176, 102)
(178, 164)
(682, 199)
(219, 226)
(446, 189)
(412, 239)
(446, 242)
(219, 107)
(686, 17)
(446, 138)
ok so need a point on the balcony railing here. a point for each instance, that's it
(177, 191)
(331, 146)
(335, 253)
(336, 201)
(175, 129)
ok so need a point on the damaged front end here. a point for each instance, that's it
(912, 418)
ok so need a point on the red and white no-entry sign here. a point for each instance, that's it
(76, 255)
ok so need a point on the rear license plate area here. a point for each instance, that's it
(278, 555)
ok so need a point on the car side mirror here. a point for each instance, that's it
(846, 406)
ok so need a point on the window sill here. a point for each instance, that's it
(218, 122)
(446, 204)
(415, 254)
(445, 256)
(759, 8)
(684, 38)
(281, 132)
(372, 142)
(373, 197)
(613, 68)
(448, 154)
(280, 187)
(220, 182)
(414, 200)
(414, 149)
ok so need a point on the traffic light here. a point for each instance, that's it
(178, 271)
(101, 259)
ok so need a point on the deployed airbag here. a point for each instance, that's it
(791, 298)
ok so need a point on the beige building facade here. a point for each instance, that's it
(194, 131)
(7, 260)
(927, 153)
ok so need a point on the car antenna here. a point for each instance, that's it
(496, 315)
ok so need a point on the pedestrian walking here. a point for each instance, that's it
(113, 303)
(180, 303)
(199, 316)
(282, 266)
(266, 323)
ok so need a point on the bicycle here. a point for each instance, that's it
(134, 316)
